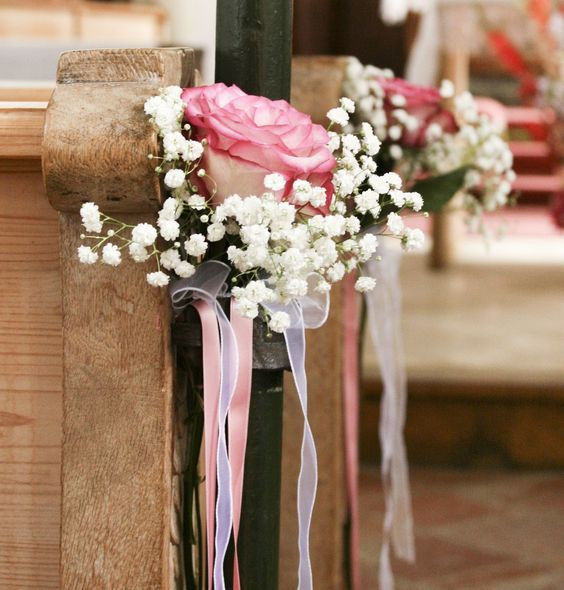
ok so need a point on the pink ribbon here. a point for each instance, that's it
(239, 423)
(351, 410)
(227, 359)
(211, 345)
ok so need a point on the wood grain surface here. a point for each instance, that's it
(316, 87)
(117, 476)
(30, 382)
(97, 136)
(21, 131)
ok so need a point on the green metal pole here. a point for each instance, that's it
(254, 51)
(254, 46)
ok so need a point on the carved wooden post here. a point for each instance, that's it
(316, 88)
(448, 225)
(116, 474)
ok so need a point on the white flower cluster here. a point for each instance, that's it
(362, 86)
(478, 146)
(278, 251)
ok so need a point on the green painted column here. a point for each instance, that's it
(254, 46)
(254, 51)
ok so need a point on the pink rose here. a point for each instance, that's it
(422, 102)
(252, 136)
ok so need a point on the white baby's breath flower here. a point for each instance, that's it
(323, 286)
(334, 225)
(351, 143)
(347, 104)
(412, 239)
(338, 116)
(196, 245)
(197, 202)
(393, 179)
(246, 307)
(379, 184)
(366, 201)
(371, 144)
(398, 100)
(336, 272)
(398, 198)
(90, 214)
(318, 197)
(174, 178)
(368, 244)
(111, 255)
(302, 190)
(158, 279)
(447, 89)
(193, 151)
(86, 255)
(144, 234)
(279, 321)
(215, 232)
(395, 224)
(256, 234)
(394, 132)
(364, 284)
(274, 182)
(170, 258)
(433, 132)
(414, 200)
(138, 252)
(174, 144)
(334, 141)
(169, 210)
(352, 224)
(396, 151)
(169, 229)
(184, 269)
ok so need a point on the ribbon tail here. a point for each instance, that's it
(238, 423)
(224, 508)
(351, 410)
(307, 481)
(211, 355)
(384, 318)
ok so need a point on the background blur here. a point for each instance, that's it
(483, 324)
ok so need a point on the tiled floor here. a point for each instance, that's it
(475, 530)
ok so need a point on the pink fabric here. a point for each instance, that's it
(211, 348)
(239, 422)
(351, 410)
(253, 136)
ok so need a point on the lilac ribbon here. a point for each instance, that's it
(208, 283)
(384, 320)
(308, 312)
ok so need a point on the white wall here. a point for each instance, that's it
(192, 23)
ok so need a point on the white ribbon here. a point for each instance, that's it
(384, 321)
(309, 312)
(208, 283)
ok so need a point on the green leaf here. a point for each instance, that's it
(438, 190)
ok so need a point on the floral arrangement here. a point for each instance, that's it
(255, 183)
(437, 149)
